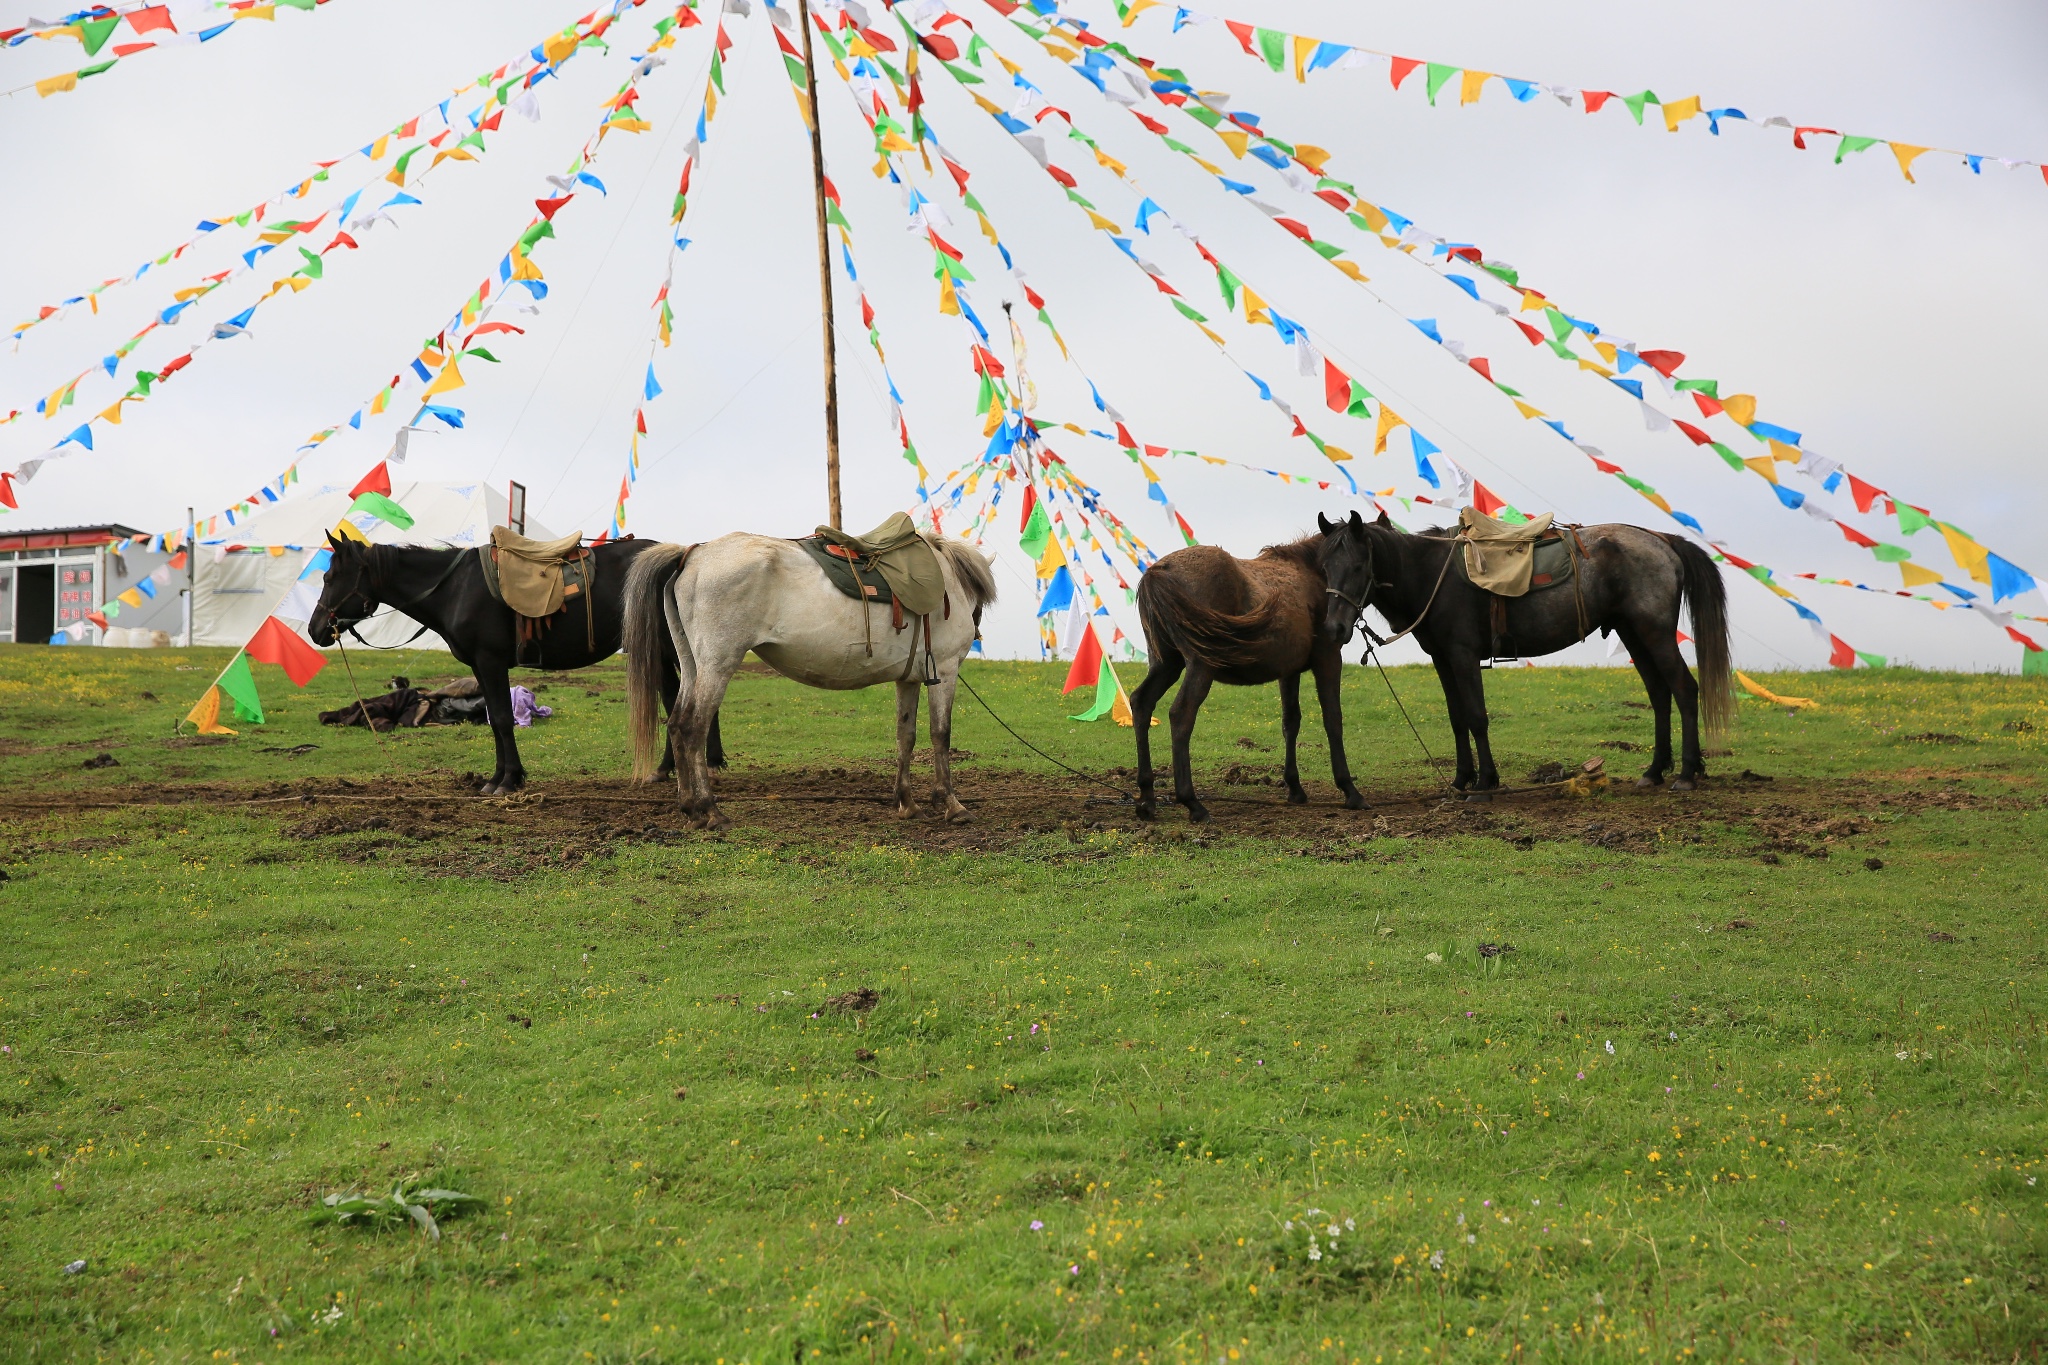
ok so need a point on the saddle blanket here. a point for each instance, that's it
(529, 575)
(895, 564)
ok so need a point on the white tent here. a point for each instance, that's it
(244, 572)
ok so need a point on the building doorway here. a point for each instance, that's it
(35, 603)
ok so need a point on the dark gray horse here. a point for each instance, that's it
(1631, 581)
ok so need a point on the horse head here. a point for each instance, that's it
(1346, 556)
(350, 594)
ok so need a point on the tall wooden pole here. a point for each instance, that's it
(803, 12)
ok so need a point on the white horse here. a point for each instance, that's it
(747, 592)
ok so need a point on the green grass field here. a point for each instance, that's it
(1755, 1082)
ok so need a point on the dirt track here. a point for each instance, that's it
(439, 824)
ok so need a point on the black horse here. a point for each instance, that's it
(444, 590)
(1630, 581)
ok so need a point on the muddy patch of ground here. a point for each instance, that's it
(438, 825)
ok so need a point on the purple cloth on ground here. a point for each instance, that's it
(525, 707)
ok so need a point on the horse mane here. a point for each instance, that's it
(1303, 552)
(972, 568)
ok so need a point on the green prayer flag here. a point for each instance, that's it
(1202, 113)
(377, 505)
(1853, 144)
(1635, 103)
(1436, 75)
(96, 68)
(95, 32)
(1872, 660)
(1734, 460)
(1228, 283)
(1911, 519)
(314, 267)
(306, 5)
(1890, 554)
(481, 354)
(240, 684)
(1560, 325)
(2034, 663)
(1186, 311)
(539, 231)
(1105, 694)
(1710, 387)
(1037, 531)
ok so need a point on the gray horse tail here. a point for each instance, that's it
(1707, 596)
(647, 584)
(970, 566)
(1222, 640)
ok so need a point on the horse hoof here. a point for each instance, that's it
(1147, 810)
(959, 817)
(1199, 815)
(1478, 798)
(1354, 801)
(1684, 784)
(1296, 797)
(714, 820)
(1647, 783)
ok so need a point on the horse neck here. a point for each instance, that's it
(1411, 564)
(406, 579)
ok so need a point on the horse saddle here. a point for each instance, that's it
(536, 578)
(891, 564)
(1514, 559)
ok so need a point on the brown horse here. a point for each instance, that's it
(1245, 622)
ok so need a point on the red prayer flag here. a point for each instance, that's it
(2032, 648)
(277, 643)
(548, 207)
(1799, 135)
(1336, 387)
(1481, 364)
(1693, 433)
(378, 480)
(151, 17)
(1595, 98)
(1708, 406)
(1243, 33)
(1864, 493)
(1663, 362)
(1485, 499)
(1839, 653)
(1854, 536)
(1087, 669)
(1535, 337)
(1151, 125)
(1400, 69)
(1030, 501)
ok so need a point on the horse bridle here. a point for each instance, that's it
(348, 625)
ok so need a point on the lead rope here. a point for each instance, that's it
(1035, 749)
(1435, 768)
(362, 708)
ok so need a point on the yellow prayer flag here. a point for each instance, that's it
(949, 302)
(1103, 223)
(447, 381)
(1205, 332)
(558, 47)
(1311, 156)
(1115, 167)
(1533, 301)
(1050, 559)
(1255, 307)
(1906, 154)
(1741, 408)
(1136, 8)
(377, 147)
(988, 230)
(1915, 576)
(1337, 454)
(259, 12)
(1595, 366)
(1374, 218)
(130, 598)
(1470, 84)
(377, 403)
(1304, 48)
(462, 153)
(523, 267)
(1389, 419)
(1678, 111)
(1967, 552)
(348, 530)
(112, 416)
(1756, 689)
(56, 85)
(1234, 139)
(1350, 268)
(1065, 54)
(205, 714)
(1764, 465)
(1526, 410)
(1783, 453)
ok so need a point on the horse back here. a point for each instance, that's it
(1250, 620)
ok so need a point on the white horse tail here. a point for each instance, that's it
(647, 584)
(974, 570)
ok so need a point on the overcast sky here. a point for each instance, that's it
(1898, 326)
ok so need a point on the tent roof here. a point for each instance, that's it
(457, 514)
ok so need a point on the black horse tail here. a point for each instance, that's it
(1222, 640)
(648, 580)
(1707, 596)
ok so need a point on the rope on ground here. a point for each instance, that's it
(1034, 748)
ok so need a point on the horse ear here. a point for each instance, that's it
(1383, 519)
(333, 541)
(1357, 521)
(1325, 525)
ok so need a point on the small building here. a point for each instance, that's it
(52, 580)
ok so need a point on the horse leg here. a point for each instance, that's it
(906, 744)
(714, 747)
(941, 729)
(1165, 669)
(495, 679)
(670, 682)
(1329, 667)
(1472, 686)
(1674, 679)
(1659, 692)
(1187, 702)
(1290, 726)
(689, 730)
(1447, 677)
